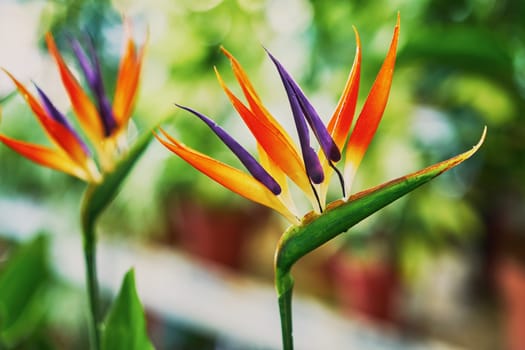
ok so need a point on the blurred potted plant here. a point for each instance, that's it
(365, 278)
(216, 233)
(509, 265)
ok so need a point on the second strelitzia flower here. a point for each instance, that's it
(104, 124)
(103, 162)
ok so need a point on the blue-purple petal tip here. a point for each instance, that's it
(251, 164)
(308, 112)
(57, 116)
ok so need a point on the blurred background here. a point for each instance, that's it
(443, 267)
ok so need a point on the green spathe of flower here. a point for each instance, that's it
(98, 196)
(317, 229)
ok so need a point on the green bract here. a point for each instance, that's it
(317, 229)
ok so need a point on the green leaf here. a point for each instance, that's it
(125, 327)
(7, 97)
(97, 197)
(23, 282)
(459, 46)
(315, 230)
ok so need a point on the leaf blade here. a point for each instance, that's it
(23, 282)
(125, 327)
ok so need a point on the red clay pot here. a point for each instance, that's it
(510, 276)
(365, 288)
(214, 233)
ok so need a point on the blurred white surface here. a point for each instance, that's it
(175, 286)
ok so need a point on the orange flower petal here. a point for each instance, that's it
(240, 74)
(253, 99)
(85, 110)
(231, 178)
(127, 81)
(279, 176)
(371, 113)
(58, 133)
(46, 157)
(341, 121)
(272, 138)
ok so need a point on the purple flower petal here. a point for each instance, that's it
(322, 135)
(244, 156)
(91, 68)
(311, 161)
(313, 167)
(85, 64)
(106, 112)
(54, 113)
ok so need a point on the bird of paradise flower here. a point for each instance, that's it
(103, 124)
(279, 159)
(105, 165)
(311, 171)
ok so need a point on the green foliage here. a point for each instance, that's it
(23, 284)
(125, 328)
(462, 50)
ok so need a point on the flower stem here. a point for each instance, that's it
(284, 285)
(90, 260)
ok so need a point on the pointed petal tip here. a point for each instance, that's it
(8, 73)
(188, 109)
(335, 154)
(269, 54)
(313, 166)
(227, 53)
(253, 167)
(398, 25)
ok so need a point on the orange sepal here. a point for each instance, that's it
(46, 157)
(272, 138)
(229, 177)
(85, 110)
(58, 133)
(127, 81)
(279, 176)
(372, 112)
(341, 121)
(240, 74)
(256, 106)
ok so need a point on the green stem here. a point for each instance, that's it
(90, 259)
(284, 285)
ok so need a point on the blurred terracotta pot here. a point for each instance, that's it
(365, 288)
(510, 276)
(213, 233)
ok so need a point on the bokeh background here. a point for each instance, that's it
(444, 266)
